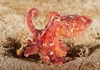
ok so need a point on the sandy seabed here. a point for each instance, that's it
(84, 52)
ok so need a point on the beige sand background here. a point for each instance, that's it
(84, 53)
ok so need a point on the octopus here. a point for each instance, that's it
(46, 41)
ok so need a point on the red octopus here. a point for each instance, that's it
(46, 41)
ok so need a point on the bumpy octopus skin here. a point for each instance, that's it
(46, 41)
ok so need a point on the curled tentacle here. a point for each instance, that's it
(32, 13)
